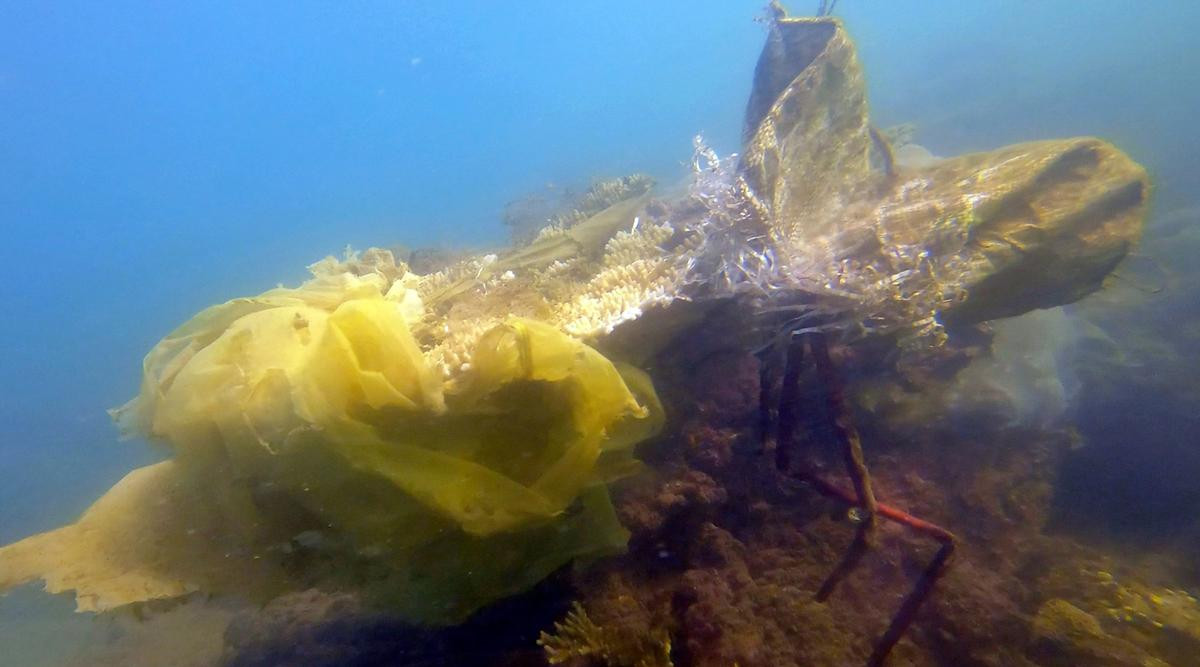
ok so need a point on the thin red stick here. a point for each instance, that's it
(887, 511)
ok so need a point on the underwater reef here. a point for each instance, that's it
(761, 423)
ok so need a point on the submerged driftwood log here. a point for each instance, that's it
(815, 227)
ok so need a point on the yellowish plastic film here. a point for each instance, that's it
(314, 445)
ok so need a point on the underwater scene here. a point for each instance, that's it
(610, 334)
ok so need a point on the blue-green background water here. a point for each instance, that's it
(156, 158)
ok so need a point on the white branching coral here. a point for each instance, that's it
(617, 294)
(640, 242)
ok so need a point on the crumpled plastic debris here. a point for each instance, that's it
(313, 444)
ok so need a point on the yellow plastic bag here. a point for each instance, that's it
(314, 445)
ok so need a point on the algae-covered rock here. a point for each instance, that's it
(1162, 621)
(1067, 635)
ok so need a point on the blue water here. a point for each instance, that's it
(156, 158)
